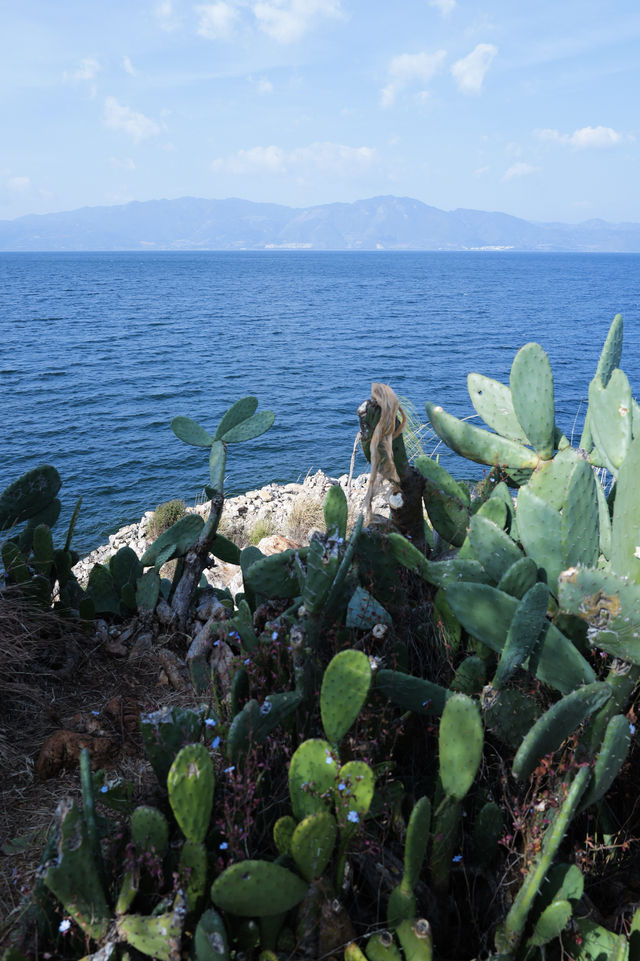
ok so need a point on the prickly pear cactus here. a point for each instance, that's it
(313, 770)
(312, 844)
(345, 687)
(28, 495)
(257, 888)
(460, 742)
(190, 785)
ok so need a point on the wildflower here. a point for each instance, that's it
(216, 742)
(341, 786)
(353, 816)
(632, 729)
(247, 660)
(64, 925)
(223, 846)
(228, 770)
(457, 858)
(104, 789)
(274, 636)
(210, 722)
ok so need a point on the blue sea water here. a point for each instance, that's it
(99, 351)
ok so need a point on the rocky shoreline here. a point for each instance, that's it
(284, 514)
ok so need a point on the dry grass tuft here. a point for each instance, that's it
(262, 527)
(306, 515)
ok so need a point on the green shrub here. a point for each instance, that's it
(165, 515)
(263, 527)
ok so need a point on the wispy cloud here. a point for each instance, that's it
(166, 15)
(470, 71)
(334, 158)
(19, 184)
(444, 6)
(407, 70)
(519, 169)
(286, 21)
(585, 137)
(216, 20)
(128, 67)
(87, 69)
(264, 86)
(134, 124)
(126, 164)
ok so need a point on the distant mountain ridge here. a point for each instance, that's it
(378, 223)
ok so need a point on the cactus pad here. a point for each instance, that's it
(412, 693)
(312, 844)
(353, 794)
(182, 535)
(460, 742)
(190, 785)
(283, 832)
(210, 940)
(313, 770)
(190, 432)
(556, 724)
(345, 687)
(28, 495)
(479, 445)
(253, 889)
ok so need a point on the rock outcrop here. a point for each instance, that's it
(275, 517)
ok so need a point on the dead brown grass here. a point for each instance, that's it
(54, 675)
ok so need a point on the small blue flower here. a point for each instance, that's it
(95, 714)
(632, 729)
(247, 660)
(210, 722)
(353, 816)
(223, 846)
(104, 789)
(341, 786)
(228, 770)
(457, 858)
(328, 759)
(64, 925)
(216, 742)
(274, 636)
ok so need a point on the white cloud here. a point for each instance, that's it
(128, 66)
(444, 6)
(88, 68)
(216, 20)
(166, 16)
(519, 169)
(126, 164)
(469, 72)
(266, 159)
(481, 171)
(585, 137)
(19, 184)
(328, 157)
(407, 69)
(286, 21)
(136, 125)
(264, 86)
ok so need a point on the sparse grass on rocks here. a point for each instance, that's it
(165, 515)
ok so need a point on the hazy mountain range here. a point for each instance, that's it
(387, 223)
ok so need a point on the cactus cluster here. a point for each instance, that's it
(453, 698)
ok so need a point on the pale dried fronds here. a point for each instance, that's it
(391, 424)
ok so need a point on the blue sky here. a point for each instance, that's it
(524, 106)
